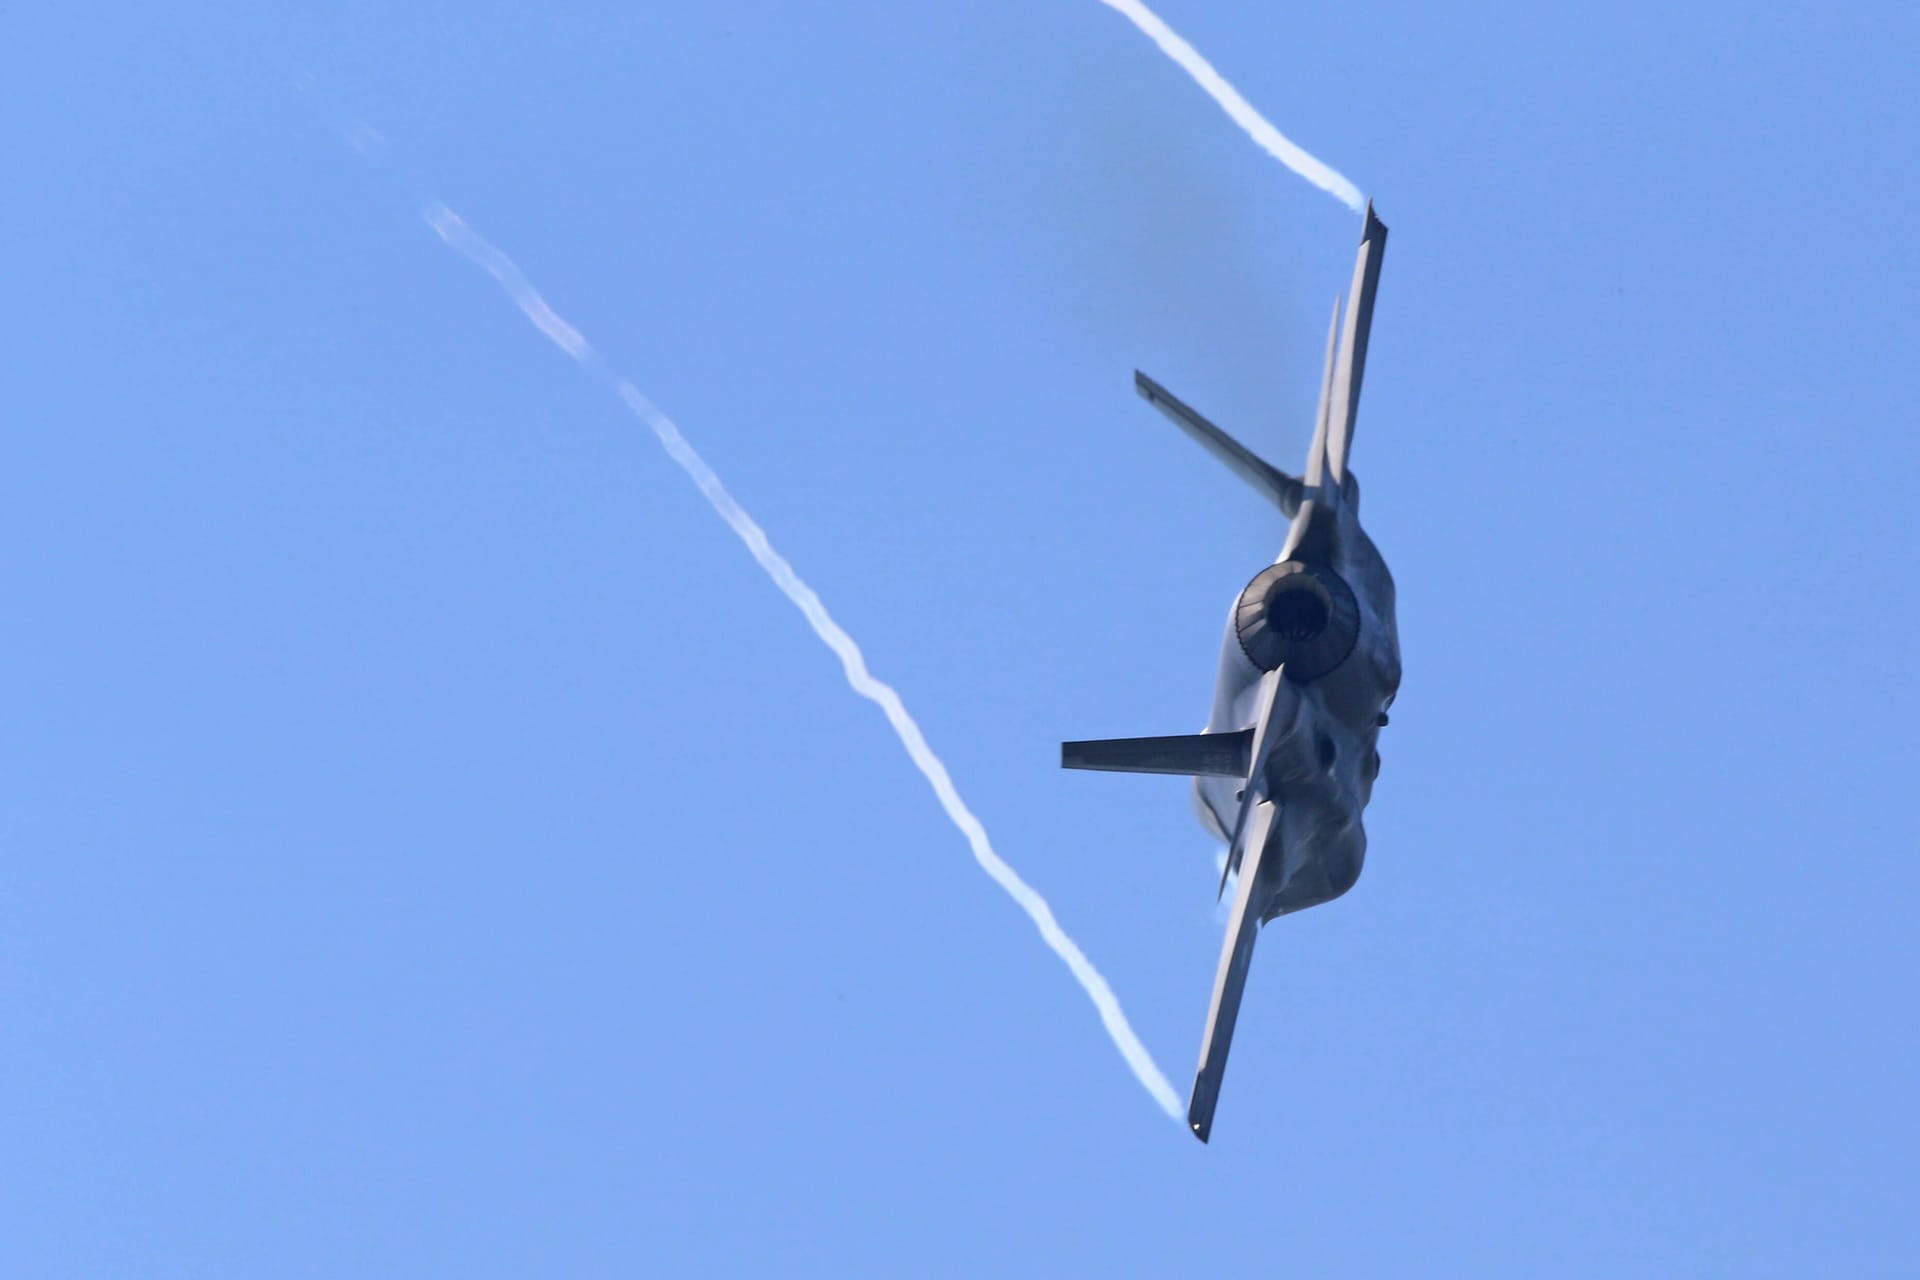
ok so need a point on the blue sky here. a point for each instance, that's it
(432, 847)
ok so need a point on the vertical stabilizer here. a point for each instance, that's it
(1317, 453)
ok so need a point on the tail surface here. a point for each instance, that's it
(1274, 484)
(1199, 755)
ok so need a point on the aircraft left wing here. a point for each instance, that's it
(1236, 957)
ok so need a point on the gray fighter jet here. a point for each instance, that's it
(1310, 665)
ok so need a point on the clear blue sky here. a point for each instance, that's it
(431, 848)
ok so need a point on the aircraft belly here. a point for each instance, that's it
(1215, 803)
(1236, 706)
(1320, 850)
(1315, 774)
(1236, 691)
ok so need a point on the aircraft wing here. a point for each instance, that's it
(1236, 956)
(1353, 345)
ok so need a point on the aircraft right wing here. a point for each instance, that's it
(1353, 344)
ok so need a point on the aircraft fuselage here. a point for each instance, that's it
(1317, 743)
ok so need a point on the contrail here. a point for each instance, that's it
(1271, 140)
(458, 236)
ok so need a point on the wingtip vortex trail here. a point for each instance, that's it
(457, 235)
(1238, 109)
(454, 231)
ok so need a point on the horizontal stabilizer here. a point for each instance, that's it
(1279, 488)
(1212, 755)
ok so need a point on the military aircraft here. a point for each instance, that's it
(1310, 664)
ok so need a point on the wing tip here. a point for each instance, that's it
(1200, 1109)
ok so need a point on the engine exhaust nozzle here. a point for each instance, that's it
(1298, 616)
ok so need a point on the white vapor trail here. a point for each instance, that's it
(1271, 140)
(455, 232)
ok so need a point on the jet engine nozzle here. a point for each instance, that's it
(1303, 617)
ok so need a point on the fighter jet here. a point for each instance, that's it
(1310, 664)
